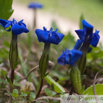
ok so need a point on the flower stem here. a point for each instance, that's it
(82, 61)
(12, 75)
(13, 55)
(35, 14)
(71, 91)
(11, 85)
(43, 63)
(40, 88)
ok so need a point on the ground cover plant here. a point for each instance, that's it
(45, 65)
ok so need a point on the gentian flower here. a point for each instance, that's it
(87, 35)
(71, 56)
(88, 38)
(35, 5)
(14, 26)
(49, 36)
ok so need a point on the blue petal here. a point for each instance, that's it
(95, 39)
(75, 55)
(4, 22)
(69, 57)
(21, 23)
(60, 35)
(17, 29)
(35, 5)
(78, 44)
(44, 29)
(42, 35)
(49, 36)
(87, 27)
(51, 29)
(8, 24)
(14, 22)
(61, 59)
(81, 34)
(55, 38)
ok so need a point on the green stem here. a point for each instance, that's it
(35, 14)
(82, 61)
(43, 63)
(13, 55)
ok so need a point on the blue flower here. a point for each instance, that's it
(35, 5)
(49, 36)
(14, 26)
(86, 34)
(70, 56)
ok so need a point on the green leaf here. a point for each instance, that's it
(9, 81)
(6, 9)
(80, 23)
(32, 96)
(4, 53)
(15, 65)
(46, 74)
(1, 60)
(15, 93)
(98, 88)
(17, 84)
(3, 72)
(58, 88)
(6, 43)
(23, 94)
(49, 92)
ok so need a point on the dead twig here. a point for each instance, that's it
(50, 62)
(31, 71)
(95, 80)
(47, 97)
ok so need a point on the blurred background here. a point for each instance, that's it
(66, 13)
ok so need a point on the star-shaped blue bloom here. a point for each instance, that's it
(14, 26)
(71, 56)
(35, 5)
(49, 36)
(86, 34)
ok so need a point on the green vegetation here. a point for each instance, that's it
(72, 9)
